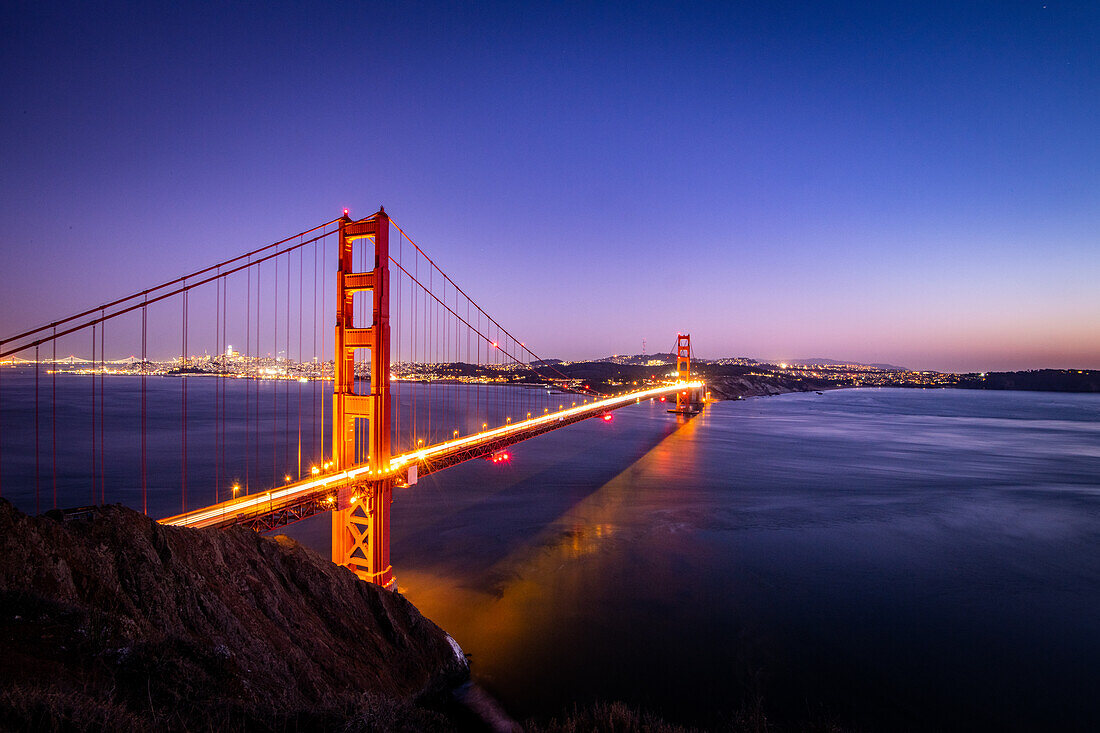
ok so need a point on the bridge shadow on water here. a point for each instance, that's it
(470, 525)
(467, 526)
(518, 567)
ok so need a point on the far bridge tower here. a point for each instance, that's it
(688, 401)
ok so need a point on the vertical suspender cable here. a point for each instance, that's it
(441, 324)
(458, 358)
(183, 409)
(256, 421)
(466, 410)
(313, 396)
(478, 339)
(144, 483)
(275, 376)
(91, 371)
(217, 384)
(301, 361)
(37, 506)
(429, 325)
(430, 311)
(248, 378)
(102, 413)
(286, 375)
(507, 367)
(461, 393)
(53, 416)
(222, 377)
(498, 405)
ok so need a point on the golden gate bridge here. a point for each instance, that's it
(406, 387)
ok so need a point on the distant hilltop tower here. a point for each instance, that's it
(643, 345)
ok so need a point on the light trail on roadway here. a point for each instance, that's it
(232, 510)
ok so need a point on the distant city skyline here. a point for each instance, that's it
(916, 185)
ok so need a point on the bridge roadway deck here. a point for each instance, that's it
(280, 506)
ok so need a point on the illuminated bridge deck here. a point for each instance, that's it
(280, 506)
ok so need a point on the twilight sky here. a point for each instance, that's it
(914, 183)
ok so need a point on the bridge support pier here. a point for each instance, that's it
(360, 531)
(361, 518)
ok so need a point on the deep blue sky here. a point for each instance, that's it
(916, 183)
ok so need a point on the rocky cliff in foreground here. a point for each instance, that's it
(116, 622)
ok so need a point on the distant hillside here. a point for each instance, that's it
(640, 359)
(840, 362)
(1040, 380)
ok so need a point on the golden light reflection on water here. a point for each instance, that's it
(519, 601)
(586, 538)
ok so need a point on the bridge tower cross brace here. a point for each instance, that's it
(361, 518)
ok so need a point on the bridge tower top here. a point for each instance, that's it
(354, 412)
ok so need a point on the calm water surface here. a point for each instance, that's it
(878, 558)
(883, 559)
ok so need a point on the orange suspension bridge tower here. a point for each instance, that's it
(689, 400)
(361, 518)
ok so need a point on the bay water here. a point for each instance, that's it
(877, 559)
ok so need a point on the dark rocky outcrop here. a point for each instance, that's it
(114, 621)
